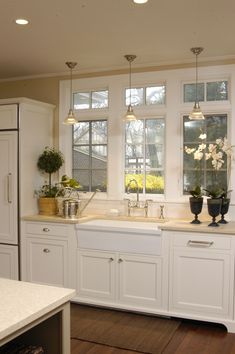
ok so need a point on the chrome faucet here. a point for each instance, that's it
(137, 189)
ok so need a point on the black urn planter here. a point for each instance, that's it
(196, 208)
(214, 209)
(224, 210)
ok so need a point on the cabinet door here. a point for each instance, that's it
(96, 274)
(140, 279)
(8, 116)
(9, 262)
(200, 282)
(8, 188)
(47, 261)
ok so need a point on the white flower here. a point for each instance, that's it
(198, 155)
(202, 136)
(207, 155)
(189, 150)
(201, 147)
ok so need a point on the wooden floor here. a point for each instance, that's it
(191, 337)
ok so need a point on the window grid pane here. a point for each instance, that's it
(90, 160)
(144, 160)
(201, 172)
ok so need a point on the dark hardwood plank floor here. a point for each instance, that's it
(191, 337)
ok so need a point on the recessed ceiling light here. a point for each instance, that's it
(21, 21)
(140, 1)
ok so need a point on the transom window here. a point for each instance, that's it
(90, 154)
(91, 99)
(149, 95)
(201, 172)
(144, 155)
(206, 91)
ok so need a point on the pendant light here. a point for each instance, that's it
(130, 115)
(71, 119)
(196, 113)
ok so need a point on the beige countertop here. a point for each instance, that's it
(163, 224)
(185, 225)
(60, 219)
(22, 303)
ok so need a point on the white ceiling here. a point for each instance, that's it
(98, 33)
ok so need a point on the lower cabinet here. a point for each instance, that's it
(9, 262)
(201, 275)
(47, 254)
(125, 278)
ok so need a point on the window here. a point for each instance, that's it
(90, 154)
(90, 100)
(201, 172)
(144, 154)
(149, 95)
(207, 91)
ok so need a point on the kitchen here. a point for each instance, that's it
(54, 90)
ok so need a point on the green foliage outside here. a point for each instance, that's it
(154, 184)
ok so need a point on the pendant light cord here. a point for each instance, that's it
(71, 89)
(196, 78)
(130, 80)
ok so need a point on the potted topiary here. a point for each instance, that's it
(49, 162)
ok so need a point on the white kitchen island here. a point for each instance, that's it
(35, 314)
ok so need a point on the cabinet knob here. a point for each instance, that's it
(46, 250)
(111, 259)
(120, 260)
(45, 229)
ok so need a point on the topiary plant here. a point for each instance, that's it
(50, 162)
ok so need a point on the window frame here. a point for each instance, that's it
(90, 92)
(205, 81)
(145, 195)
(206, 113)
(144, 105)
(90, 145)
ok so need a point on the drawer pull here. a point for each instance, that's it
(46, 250)
(111, 259)
(45, 229)
(192, 243)
(120, 260)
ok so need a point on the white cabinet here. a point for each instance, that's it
(96, 274)
(47, 253)
(201, 274)
(140, 280)
(122, 278)
(25, 130)
(8, 187)
(8, 262)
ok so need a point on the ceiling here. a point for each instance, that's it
(98, 33)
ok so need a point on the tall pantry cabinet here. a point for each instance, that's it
(25, 130)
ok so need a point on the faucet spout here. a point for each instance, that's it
(137, 188)
(80, 210)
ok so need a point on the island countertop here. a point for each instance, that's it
(21, 303)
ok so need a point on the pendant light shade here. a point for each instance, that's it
(196, 113)
(130, 115)
(70, 119)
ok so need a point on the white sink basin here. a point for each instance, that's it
(120, 235)
(144, 226)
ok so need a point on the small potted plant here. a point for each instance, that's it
(49, 162)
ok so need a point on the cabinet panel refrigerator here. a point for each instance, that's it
(25, 130)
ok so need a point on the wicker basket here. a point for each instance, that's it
(47, 206)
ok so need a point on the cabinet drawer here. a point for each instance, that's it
(194, 240)
(46, 229)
